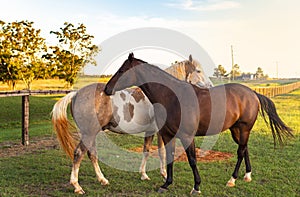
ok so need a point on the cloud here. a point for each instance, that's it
(209, 5)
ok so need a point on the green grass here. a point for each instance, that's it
(39, 117)
(47, 172)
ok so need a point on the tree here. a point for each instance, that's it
(235, 72)
(220, 72)
(9, 63)
(20, 52)
(259, 73)
(75, 50)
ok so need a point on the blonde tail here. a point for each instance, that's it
(61, 124)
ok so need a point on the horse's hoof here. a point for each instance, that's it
(230, 184)
(79, 191)
(162, 190)
(195, 192)
(145, 177)
(104, 182)
(164, 175)
(247, 177)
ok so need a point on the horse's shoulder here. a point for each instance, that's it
(137, 94)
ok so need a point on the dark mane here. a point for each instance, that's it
(141, 60)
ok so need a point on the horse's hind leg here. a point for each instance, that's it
(78, 156)
(247, 176)
(162, 156)
(191, 155)
(147, 144)
(241, 137)
(92, 154)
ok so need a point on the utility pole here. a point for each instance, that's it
(277, 69)
(232, 61)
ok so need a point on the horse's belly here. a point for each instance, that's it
(131, 115)
(133, 127)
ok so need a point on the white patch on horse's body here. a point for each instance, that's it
(141, 118)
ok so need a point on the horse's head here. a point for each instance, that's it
(196, 75)
(125, 77)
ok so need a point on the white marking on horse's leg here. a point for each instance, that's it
(231, 182)
(99, 174)
(94, 159)
(78, 156)
(143, 166)
(147, 145)
(195, 192)
(162, 156)
(247, 177)
(74, 179)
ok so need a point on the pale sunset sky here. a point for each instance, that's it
(261, 32)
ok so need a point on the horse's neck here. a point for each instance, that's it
(156, 84)
(177, 70)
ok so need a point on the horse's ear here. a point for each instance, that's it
(130, 57)
(190, 58)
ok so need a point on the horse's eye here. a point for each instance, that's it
(198, 71)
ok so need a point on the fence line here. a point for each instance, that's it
(25, 106)
(273, 91)
(33, 92)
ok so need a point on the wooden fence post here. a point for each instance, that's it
(25, 120)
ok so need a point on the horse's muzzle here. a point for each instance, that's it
(108, 91)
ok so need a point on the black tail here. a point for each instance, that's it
(280, 130)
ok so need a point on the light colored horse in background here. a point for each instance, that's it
(127, 112)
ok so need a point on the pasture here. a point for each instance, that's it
(42, 169)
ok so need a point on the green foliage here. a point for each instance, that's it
(20, 53)
(235, 72)
(75, 50)
(260, 74)
(24, 55)
(220, 72)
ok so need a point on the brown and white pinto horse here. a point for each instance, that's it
(184, 111)
(128, 111)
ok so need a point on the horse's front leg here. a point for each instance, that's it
(170, 152)
(147, 145)
(162, 156)
(78, 156)
(191, 155)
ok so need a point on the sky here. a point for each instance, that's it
(262, 33)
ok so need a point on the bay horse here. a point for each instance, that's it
(184, 111)
(128, 111)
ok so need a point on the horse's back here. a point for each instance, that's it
(227, 104)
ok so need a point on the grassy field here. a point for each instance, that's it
(46, 171)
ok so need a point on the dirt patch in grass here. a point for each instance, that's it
(202, 156)
(12, 149)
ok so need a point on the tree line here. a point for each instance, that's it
(236, 73)
(25, 56)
